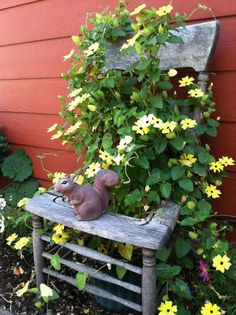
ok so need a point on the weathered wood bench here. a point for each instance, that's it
(195, 52)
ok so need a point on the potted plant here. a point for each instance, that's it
(133, 121)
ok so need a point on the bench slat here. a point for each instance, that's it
(119, 228)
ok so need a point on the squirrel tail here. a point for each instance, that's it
(103, 180)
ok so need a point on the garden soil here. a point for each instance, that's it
(16, 271)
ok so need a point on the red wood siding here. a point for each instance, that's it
(34, 37)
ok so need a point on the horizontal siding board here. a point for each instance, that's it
(35, 60)
(45, 58)
(224, 144)
(54, 161)
(5, 4)
(30, 129)
(226, 204)
(22, 23)
(224, 94)
(32, 96)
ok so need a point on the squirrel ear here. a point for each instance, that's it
(75, 179)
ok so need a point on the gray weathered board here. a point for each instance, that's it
(199, 42)
(152, 235)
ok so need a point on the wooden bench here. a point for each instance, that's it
(195, 52)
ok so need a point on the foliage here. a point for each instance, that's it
(137, 123)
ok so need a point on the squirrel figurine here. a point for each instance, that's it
(89, 202)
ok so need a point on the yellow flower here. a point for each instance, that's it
(91, 49)
(210, 309)
(92, 107)
(187, 159)
(226, 161)
(141, 130)
(212, 191)
(80, 180)
(167, 127)
(52, 128)
(80, 241)
(78, 100)
(57, 176)
(23, 290)
(22, 202)
(138, 9)
(23, 241)
(216, 167)
(172, 73)
(164, 10)
(75, 92)
(105, 156)
(92, 169)
(146, 207)
(42, 189)
(106, 165)
(71, 53)
(196, 93)
(157, 122)
(59, 228)
(147, 188)
(146, 120)
(167, 308)
(102, 249)
(57, 135)
(73, 128)
(186, 81)
(124, 142)
(45, 291)
(221, 263)
(188, 123)
(11, 238)
(60, 238)
(131, 41)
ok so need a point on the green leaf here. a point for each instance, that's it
(154, 178)
(165, 189)
(162, 254)
(153, 196)
(211, 131)
(134, 197)
(173, 39)
(143, 162)
(155, 75)
(164, 85)
(160, 145)
(204, 157)
(116, 32)
(177, 143)
(181, 288)
(189, 221)
(204, 205)
(200, 129)
(177, 172)
(212, 123)
(182, 247)
(17, 166)
(107, 142)
(55, 261)
(81, 278)
(186, 211)
(156, 101)
(121, 271)
(165, 271)
(54, 296)
(186, 184)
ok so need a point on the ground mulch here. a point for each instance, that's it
(15, 270)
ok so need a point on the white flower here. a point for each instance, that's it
(92, 49)
(117, 159)
(2, 203)
(45, 291)
(69, 55)
(23, 290)
(2, 225)
(75, 92)
(124, 142)
(172, 73)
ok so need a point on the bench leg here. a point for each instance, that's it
(38, 249)
(149, 282)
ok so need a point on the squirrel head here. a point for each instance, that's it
(64, 185)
